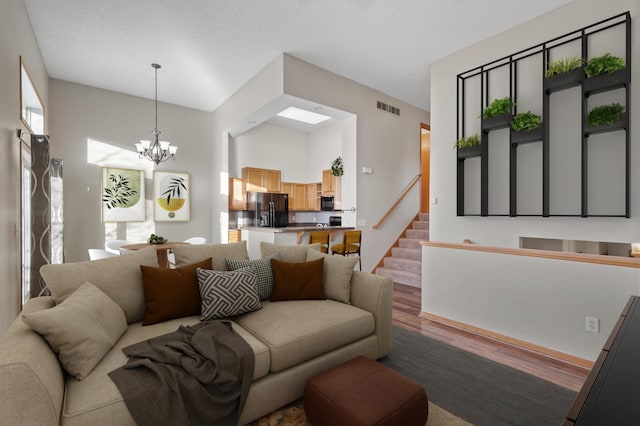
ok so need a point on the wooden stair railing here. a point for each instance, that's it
(400, 198)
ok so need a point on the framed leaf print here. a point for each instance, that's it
(122, 195)
(171, 193)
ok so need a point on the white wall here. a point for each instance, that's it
(502, 231)
(271, 147)
(515, 297)
(16, 39)
(541, 301)
(92, 128)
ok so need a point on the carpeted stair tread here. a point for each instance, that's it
(420, 224)
(401, 277)
(406, 265)
(419, 234)
(407, 253)
(410, 243)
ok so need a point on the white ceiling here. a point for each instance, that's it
(208, 49)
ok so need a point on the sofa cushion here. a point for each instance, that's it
(297, 280)
(81, 329)
(299, 330)
(171, 293)
(292, 253)
(264, 273)
(337, 274)
(187, 254)
(227, 293)
(118, 276)
(97, 398)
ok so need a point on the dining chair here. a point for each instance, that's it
(351, 242)
(95, 254)
(196, 240)
(321, 237)
(113, 246)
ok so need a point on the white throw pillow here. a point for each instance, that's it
(337, 274)
(81, 329)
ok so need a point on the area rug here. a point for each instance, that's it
(478, 390)
(462, 388)
(293, 415)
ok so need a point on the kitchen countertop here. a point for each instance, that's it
(294, 228)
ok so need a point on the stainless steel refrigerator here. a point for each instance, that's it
(268, 209)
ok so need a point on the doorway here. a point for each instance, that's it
(425, 161)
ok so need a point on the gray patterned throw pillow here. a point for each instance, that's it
(227, 293)
(263, 271)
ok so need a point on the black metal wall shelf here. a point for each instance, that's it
(509, 65)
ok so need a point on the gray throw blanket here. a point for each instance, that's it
(197, 375)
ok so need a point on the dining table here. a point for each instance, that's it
(163, 250)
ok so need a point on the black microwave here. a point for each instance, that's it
(326, 203)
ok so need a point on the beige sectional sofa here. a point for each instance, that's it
(291, 340)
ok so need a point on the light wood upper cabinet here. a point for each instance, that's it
(261, 180)
(237, 194)
(302, 196)
(332, 186)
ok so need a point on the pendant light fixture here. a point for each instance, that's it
(156, 151)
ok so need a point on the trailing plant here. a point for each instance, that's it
(498, 107)
(174, 188)
(605, 64)
(564, 65)
(336, 167)
(469, 142)
(119, 193)
(525, 121)
(605, 115)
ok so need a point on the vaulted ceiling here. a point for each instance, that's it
(208, 49)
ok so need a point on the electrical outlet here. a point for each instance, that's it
(362, 222)
(592, 324)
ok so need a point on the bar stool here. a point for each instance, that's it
(321, 237)
(350, 245)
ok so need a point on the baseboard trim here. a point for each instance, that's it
(561, 356)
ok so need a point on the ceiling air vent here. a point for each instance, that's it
(386, 107)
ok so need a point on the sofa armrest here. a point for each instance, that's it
(32, 380)
(374, 294)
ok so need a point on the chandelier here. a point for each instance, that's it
(156, 151)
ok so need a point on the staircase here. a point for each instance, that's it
(404, 266)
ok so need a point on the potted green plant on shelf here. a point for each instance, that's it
(605, 115)
(469, 142)
(525, 121)
(337, 167)
(564, 65)
(605, 64)
(498, 106)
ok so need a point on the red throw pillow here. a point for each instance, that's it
(297, 281)
(171, 293)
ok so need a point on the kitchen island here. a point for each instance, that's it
(293, 234)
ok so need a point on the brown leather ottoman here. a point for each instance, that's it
(364, 392)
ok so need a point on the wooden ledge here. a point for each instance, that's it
(628, 262)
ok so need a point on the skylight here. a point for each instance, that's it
(303, 115)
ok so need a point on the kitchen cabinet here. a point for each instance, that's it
(332, 186)
(314, 191)
(261, 180)
(302, 196)
(237, 194)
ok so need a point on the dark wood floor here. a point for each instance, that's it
(406, 310)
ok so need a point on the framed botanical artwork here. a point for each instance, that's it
(171, 193)
(122, 195)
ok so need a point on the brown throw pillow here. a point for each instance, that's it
(297, 281)
(171, 293)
